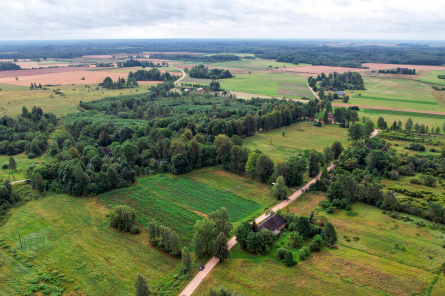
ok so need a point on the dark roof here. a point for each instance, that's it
(274, 222)
(368, 146)
(330, 116)
(384, 149)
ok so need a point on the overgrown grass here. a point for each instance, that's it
(431, 77)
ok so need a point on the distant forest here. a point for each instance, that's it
(4, 66)
(197, 58)
(316, 52)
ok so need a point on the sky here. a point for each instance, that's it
(118, 19)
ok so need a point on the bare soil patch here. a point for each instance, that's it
(377, 66)
(33, 72)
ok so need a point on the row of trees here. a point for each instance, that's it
(338, 81)
(120, 83)
(152, 75)
(399, 70)
(8, 66)
(409, 126)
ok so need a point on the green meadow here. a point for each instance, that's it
(298, 137)
(431, 77)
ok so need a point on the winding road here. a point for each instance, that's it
(194, 283)
(183, 75)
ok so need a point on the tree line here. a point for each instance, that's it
(399, 70)
(7, 66)
(203, 72)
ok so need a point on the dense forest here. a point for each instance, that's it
(399, 71)
(4, 66)
(203, 72)
(152, 75)
(197, 58)
(316, 52)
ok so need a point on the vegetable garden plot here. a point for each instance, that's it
(201, 197)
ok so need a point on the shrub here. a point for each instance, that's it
(352, 214)
(5, 166)
(295, 239)
(123, 218)
(415, 181)
(135, 230)
(324, 204)
(316, 244)
(31, 155)
(289, 259)
(304, 253)
(330, 210)
(281, 253)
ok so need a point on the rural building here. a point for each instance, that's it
(368, 146)
(274, 224)
(187, 89)
(106, 151)
(384, 149)
(341, 93)
(309, 119)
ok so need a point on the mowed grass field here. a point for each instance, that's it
(261, 84)
(14, 97)
(431, 77)
(22, 162)
(367, 265)
(68, 244)
(396, 93)
(178, 202)
(298, 137)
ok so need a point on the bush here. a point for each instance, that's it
(295, 239)
(31, 156)
(5, 166)
(330, 210)
(289, 259)
(415, 181)
(324, 204)
(135, 230)
(304, 253)
(281, 253)
(316, 244)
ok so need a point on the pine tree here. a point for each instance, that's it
(32, 86)
(175, 245)
(221, 249)
(141, 286)
(289, 259)
(12, 165)
(186, 259)
(324, 173)
(280, 189)
(314, 168)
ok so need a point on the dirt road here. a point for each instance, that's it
(191, 287)
(183, 75)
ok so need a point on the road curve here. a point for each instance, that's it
(194, 283)
(183, 75)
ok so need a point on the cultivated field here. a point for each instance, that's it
(299, 137)
(431, 77)
(367, 265)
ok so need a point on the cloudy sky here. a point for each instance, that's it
(337, 19)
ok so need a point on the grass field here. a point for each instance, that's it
(390, 116)
(367, 265)
(13, 98)
(397, 93)
(178, 202)
(261, 83)
(22, 164)
(68, 244)
(431, 77)
(299, 137)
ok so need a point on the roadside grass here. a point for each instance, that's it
(366, 263)
(431, 77)
(298, 137)
(439, 287)
(13, 98)
(64, 235)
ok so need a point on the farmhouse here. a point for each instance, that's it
(274, 224)
(341, 93)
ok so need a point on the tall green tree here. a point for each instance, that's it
(222, 221)
(289, 259)
(204, 238)
(264, 168)
(221, 249)
(337, 149)
(186, 259)
(251, 163)
(314, 167)
(12, 165)
(355, 132)
(280, 189)
(330, 233)
(303, 227)
(141, 286)
(241, 232)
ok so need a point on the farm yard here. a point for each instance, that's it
(366, 262)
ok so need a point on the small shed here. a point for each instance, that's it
(341, 93)
(331, 116)
(106, 151)
(384, 149)
(274, 224)
(368, 146)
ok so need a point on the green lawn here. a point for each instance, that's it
(299, 137)
(22, 164)
(367, 265)
(246, 64)
(431, 77)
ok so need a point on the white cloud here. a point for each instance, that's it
(99, 19)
